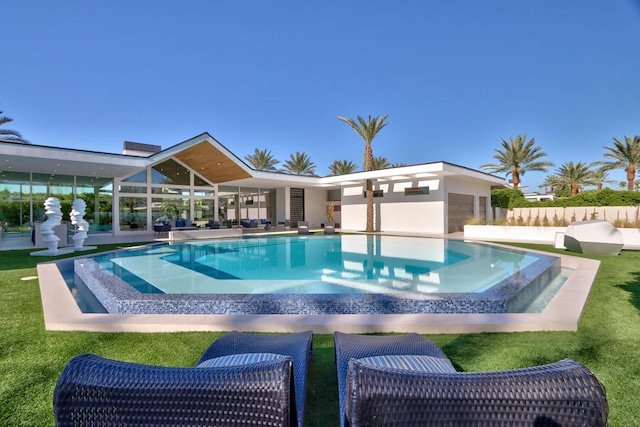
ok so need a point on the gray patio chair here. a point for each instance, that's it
(296, 345)
(303, 227)
(329, 228)
(94, 391)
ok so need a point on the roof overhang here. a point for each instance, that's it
(214, 162)
(61, 161)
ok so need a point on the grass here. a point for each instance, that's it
(607, 341)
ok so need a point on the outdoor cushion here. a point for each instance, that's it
(415, 363)
(238, 360)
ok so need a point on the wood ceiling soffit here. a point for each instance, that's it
(210, 163)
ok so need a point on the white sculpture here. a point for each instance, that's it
(54, 217)
(78, 210)
(593, 237)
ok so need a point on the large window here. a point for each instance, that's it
(22, 197)
(133, 213)
(14, 202)
(98, 196)
(170, 172)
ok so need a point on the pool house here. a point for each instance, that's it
(201, 181)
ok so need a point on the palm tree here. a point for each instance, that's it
(397, 165)
(518, 157)
(10, 135)
(574, 176)
(262, 160)
(624, 155)
(300, 164)
(342, 167)
(381, 163)
(550, 181)
(600, 176)
(367, 131)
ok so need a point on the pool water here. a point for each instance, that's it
(354, 272)
(331, 264)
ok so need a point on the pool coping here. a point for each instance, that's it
(563, 313)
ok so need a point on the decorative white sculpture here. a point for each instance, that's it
(78, 210)
(54, 217)
(593, 237)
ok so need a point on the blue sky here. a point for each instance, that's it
(455, 77)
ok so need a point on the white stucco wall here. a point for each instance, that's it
(354, 217)
(395, 211)
(315, 206)
(418, 217)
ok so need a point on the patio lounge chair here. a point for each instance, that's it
(329, 228)
(244, 389)
(424, 390)
(349, 347)
(161, 227)
(296, 345)
(303, 227)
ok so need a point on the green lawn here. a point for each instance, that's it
(608, 342)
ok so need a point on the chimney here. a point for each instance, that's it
(139, 149)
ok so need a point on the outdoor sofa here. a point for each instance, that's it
(406, 380)
(241, 379)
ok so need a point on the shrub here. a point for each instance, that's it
(507, 198)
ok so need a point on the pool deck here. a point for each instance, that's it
(561, 314)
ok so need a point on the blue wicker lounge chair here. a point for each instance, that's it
(93, 391)
(349, 347)
(410, 389)
(298, 346)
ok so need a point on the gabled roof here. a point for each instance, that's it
(207, 157)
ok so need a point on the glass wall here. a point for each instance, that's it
(171, 192)
(15, 208)
(238, 204)
(98, 196)
(133, 213)
(22, 197)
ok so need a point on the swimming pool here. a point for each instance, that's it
(341, 274)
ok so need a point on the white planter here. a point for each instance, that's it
(512, 233)
(507, 233)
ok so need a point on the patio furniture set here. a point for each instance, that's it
(250, 379)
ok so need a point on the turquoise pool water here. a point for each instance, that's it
(315, 274)
(315, 264)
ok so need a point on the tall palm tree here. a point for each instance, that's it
(517, 157)
(262, 160)
(574, 176)
(381, 163)
(10, 135)
(300, 164)
(342, 167)
(367, 130)
(398, 165)
(624, 155)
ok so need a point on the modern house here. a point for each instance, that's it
(201, 180)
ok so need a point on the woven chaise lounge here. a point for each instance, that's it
(244, 380)
(386, 381)
(297, 345)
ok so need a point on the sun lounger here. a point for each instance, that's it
(396, 383)
(297, 345)
(241, 379)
